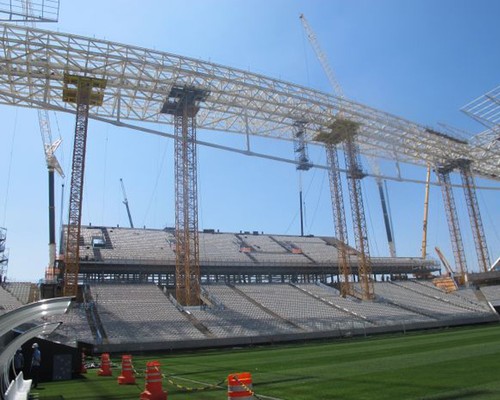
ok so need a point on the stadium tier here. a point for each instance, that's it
(148, 255)
(255, 288)
(118, 316)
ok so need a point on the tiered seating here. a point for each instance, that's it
(20, 290)
(221, 247)
(267, 250)
(457, 297)
(492, 293)
(140, 312)
(239, 317)
(421, 303)
(139, 245)
(7, 301)
(316, 248)
(377, 312)
(298, 307)
(75, 326)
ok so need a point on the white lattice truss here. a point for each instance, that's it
(33, 62)
(486, 110)
(29, 10)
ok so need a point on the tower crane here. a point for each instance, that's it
(84, 92)
(343, 130)
(382, 190)
(49, 148)
(125, 201)
(52, 165)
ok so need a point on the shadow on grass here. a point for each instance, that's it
(465, 394)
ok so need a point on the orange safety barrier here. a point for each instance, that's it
(127, 377)
(83, 368)
(239, 386)
(154, 389)
(105, 365)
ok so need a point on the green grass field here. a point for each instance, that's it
(461, 363)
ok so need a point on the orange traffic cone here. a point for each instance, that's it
(127, 377)
(239, 386)
(105, 365)
(154, 390)
(83, 368)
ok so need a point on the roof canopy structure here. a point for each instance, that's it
(32, 10)
(33, 63)
(486, 110)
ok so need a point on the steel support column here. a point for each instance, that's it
(182, 103)
(79, 90)
(346, 287)
(475, 216)
(443, 175)
(354, 176)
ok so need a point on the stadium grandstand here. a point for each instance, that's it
(148, 255)
(255, 288)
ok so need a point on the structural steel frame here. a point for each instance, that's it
(34, 61)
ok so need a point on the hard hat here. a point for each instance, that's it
(35, 345)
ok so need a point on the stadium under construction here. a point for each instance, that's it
(151, 289)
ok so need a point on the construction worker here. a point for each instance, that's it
(36, 361)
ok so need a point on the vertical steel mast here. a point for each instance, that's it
(354, 176)
(344, 130)
(85, 92)
(182, 103)
(443, 175)
(346, 287)
(474, 215)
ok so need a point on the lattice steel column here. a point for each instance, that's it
(183, 104)
(443, 175)
(85, 92)
(475, 216)
(346, 287)
(355, 174)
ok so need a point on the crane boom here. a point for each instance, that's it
(125, 201)
(344, 131)
(321, 57)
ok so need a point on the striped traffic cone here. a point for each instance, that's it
(239, 386)
(153, 390)
(105, 365)
(127, 377)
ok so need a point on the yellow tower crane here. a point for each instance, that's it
(85, 92)
(343, 131)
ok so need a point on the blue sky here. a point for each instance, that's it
(421, 60)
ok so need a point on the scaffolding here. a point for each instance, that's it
(182, 103)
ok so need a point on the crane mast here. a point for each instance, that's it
(84, 92)
(344, 131)
(125, 201)
(49, 148)
(183, 104)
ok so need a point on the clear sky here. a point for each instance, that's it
(419, 59)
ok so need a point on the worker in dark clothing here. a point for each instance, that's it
(36, 361)
(18, 361)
